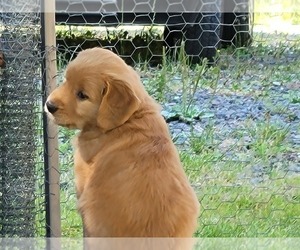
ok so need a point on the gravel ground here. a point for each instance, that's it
(229, 112)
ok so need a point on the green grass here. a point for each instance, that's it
(231, 205)
(70, 219)
(267, 139)
(247, 211)
(241, 176)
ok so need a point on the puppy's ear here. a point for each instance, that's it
(118, 104)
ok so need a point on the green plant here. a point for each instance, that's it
(294, 97)
(267, 139)
(192, 79)
(204, 142)
(157, 81)
(162, 78)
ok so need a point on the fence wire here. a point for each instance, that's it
(234, 121)
(21, 177)
(234, 115)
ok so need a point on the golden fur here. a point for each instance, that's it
(129, 179)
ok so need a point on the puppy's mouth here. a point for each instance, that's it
(60, 122)
(64, 124)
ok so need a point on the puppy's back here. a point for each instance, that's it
(139, 188)
(136, 186)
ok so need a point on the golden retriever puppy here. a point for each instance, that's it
(128, 175)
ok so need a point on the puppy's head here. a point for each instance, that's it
(99, 90)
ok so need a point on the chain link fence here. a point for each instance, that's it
(227, 77)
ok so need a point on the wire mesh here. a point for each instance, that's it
(235, 131)
(200, 31)
(228, 83)
(22, 203)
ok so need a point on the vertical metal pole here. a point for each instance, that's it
(52, 174)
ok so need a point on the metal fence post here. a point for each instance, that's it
(52, 174)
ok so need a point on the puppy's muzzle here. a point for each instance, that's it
(51, 107)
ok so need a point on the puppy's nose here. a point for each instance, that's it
(51, 107)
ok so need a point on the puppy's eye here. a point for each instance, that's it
(81, 96)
